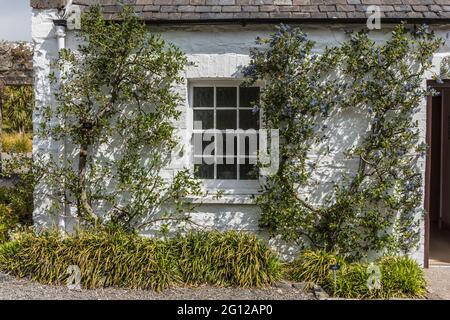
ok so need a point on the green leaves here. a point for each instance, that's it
(399, 276)
(375, 205)
(114, 258)
(18, 107)
(116, 108)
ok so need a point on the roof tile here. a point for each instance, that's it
(265, 9)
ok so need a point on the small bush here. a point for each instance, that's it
(351, 282)
(130, 261)
(7, 251)
(231, 258)
(16, 207)
(7, 222)
(400, 276)
(313, 266)
(104, 259)
(16, 142)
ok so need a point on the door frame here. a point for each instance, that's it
(427, 197)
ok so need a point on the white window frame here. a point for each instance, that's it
(228, 186)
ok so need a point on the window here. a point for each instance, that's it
(225, 134)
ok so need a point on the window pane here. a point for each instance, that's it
(204, 171)
(226, 119)
(248, 172)
(206, 117)
(226, 97)
(248, 96)
(248, 119)
(203, 97)
(227, 171)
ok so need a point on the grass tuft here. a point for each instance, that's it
(16, 143)
(400, 276)
(118, 259)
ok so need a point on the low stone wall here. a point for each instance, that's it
(16, 66)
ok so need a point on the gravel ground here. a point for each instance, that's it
(14, 289)
(438, 280)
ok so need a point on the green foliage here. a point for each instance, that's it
(351, 282)
(115, 258)
(118, 259)
(7, 222)
(8, 250)
(231, 258)
(16, 198)
(313, 266)
(16, 207)
(376, 206)
(17, 108)
(16, 142)
(117, 108)
(400, 276)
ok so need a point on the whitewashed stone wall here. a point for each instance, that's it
(219, 52)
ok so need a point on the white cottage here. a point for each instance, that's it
(217, 35)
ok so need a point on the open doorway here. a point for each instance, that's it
(437, 199)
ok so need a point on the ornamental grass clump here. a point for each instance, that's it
(313, 266)
(127, 260)
(402, 276)
(231, 258)
(16, 142)
(105, 259)
(388, 277)
(399, 277)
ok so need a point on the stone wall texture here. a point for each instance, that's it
(16, 66)
(176, 10)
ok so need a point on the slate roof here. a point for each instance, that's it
(256, 10)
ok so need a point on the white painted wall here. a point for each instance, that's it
(219, 52)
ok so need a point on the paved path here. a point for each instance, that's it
(14, 289)
(438, 279)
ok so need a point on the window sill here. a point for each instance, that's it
(234, 198)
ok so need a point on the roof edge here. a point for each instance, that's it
(245, 21)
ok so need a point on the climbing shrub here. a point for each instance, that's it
(374, 203)
(115, 113)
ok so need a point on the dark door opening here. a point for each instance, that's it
(437, 199)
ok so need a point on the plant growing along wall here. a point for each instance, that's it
(376, 206)
(17, 109)
(114, 116)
